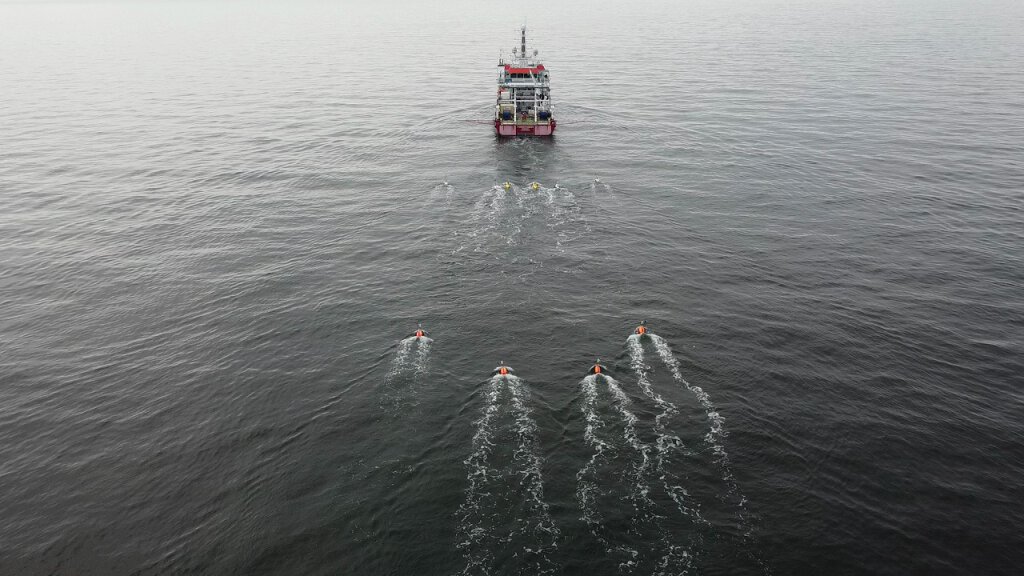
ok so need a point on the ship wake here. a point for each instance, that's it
(625, 470)
(410, 364)
(713, 438)
(507, 215)
(504, 521)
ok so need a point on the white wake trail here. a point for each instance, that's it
(498, 201)
(539, 523)
(500, 217)
(422, 361)
(641, 490)
(714, 439)
(485, 200)
(678, 557)
(474, 536)
(666, 444)
(443, 190)
(485, 216)
(487, 537)
(412, 355)
(520, 194)
(405, 373)
(400, 363)
(715, 420)
(586, 487)
(565, 216)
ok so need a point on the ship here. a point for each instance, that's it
(524, 95)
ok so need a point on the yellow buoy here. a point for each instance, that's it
(507, 185)
(535, 185)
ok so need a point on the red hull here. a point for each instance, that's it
(524, 130)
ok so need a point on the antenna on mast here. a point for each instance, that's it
(523, 42)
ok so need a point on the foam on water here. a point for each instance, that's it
(539, 526)
(533, 530)
(715, 420)
(520, 194)
(673, 553)
(484, 201)
(406, 369)
(401, 360)
(641, 491)
(586, 487)
(422, 361)
(675, 561)
(713, 439)
(474, 536)
(598, 187)
(492, 217)
(499, 217)
(665, 442)
(505, 216)
(485, 215)
(666, 445)
(442, 191)
(412, 355)
(566, 216)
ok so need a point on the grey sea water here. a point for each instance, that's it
(220, 221)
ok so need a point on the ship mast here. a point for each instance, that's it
(522, 44)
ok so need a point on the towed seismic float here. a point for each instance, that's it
(524, 95)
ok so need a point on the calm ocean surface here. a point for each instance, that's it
(219, 221)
